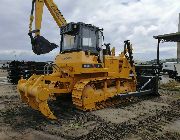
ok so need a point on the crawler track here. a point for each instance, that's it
(89, 102)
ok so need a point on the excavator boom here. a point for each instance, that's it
(40, 45)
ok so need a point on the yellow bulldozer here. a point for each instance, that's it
(83, 69)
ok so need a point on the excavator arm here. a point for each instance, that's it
(40, 45)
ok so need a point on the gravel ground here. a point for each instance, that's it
(142, 118)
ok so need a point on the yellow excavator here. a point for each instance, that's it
(90, 74)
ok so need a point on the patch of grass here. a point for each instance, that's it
(76, 125)
(171, 85)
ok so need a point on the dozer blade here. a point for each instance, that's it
(40, 45)
(35, 96)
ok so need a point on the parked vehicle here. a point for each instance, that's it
(177, 66)
(173, 69)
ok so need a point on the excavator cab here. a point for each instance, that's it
(81, 37)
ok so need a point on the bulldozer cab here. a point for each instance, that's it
(81, 37)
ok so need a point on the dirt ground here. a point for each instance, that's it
(142, 118)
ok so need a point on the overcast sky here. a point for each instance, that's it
(136, 20)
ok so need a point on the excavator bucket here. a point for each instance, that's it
(40, 45)
(36, 96)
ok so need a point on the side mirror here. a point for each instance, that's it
(98, 49)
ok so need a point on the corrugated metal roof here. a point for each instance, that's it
(172, 37)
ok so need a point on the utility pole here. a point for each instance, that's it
(178, 43)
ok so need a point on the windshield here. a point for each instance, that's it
(69, 42)
(89, 38)
(85, 39)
